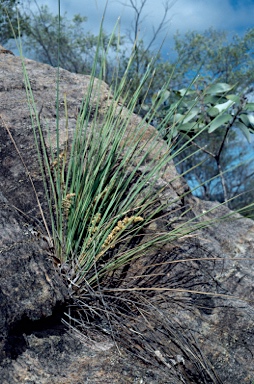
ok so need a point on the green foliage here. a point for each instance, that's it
(212, 101)
(204, 110)
(212, 106)
(220, 59)
(77, 48)
(216, 57)
(9, 16)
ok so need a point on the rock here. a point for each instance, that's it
(205, 320)
(5, 51)
(225, 328)
(29, 286)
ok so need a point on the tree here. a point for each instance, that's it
(77, 47)
(9, 16)
(210, 153)
(146, 53)
(202, 127)
(44, 39)
(216, 57)
(219, 59)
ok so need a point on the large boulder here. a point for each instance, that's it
(212, 301)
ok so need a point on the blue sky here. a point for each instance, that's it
(234, 16)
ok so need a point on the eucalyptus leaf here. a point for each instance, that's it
(160, 97)
(185, 92)
(164, 95)
(218, 88)
(178, 117)
(251, 120)
(249, 107)
(234, 98)
(174, 105)
(193, 113)
(248, 120)
(219, 121)
(212, 99)
(190, 104)
(243, 129)
(214, 111)
(187, 127)
(173, 132)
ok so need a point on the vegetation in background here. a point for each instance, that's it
(220, 59)
(223, 113)
(9, 15)
(217, 57)
(77, 49)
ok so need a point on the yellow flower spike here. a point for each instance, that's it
(67, 202)
(121, 225)
(138, 219)
(96, 219)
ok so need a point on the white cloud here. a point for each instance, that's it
(220, 14)
(229, 15)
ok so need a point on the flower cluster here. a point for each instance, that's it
(67, 202)
(121, 225)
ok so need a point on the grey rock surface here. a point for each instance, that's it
(29, 285)
(218, 262)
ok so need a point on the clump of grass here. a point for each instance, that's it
(104, 194)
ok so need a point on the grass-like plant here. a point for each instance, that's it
(105, 194)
